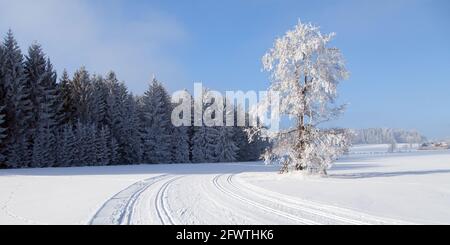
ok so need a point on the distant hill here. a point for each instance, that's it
(386, 136)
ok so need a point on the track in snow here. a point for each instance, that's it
(218, 199)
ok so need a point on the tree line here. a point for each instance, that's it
(93, 120)
(386, 136)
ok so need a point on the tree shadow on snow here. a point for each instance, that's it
(344, 166)
(145, 169)
(388, 174)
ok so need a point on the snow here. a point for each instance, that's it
(399, 188)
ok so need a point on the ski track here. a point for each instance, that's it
(148, 202)
(328, 213)
(119, 209)
(161, 205)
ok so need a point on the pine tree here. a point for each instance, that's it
(81, 93)
(212, 140)
(226, 150)
(121, 116)
(2, 137)
(67, 114)
(102, 148)
(90, 145)
(45, 144)
(45, 135)
(67, 151)
(158, 127)
(131, 138)
(98, 101)
(199, 143)
(82, 144)
(114, 148)
(3, 127)
(181, 146)
(35, 73)
(19, 109)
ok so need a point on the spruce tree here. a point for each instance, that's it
(35, 73)
(19, 114)
(158, 127)
(102, 148)
(2, 137)
(67, 151)
(114, 154)
(81, 92)
(67, 115)
(181, 146)
(199, 145)
(227, 151)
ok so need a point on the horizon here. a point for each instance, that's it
(382, 42)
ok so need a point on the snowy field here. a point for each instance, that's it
(399, 188)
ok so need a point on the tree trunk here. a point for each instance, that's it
(302, 128)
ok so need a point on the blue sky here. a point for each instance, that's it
(397, 51)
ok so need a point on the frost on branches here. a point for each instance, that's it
(305, 72)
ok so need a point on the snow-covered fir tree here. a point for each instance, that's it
(45, 135)
(66, 99)
(98, 100)
(81, 94)
(2, 136)
(67, 151)
(18, 105)
(102, 147)
(3, 127)
(113, 151)
(227, 150)
(123, 119)
(181, 139)
(90, 144)
(199, 145)
(131, 151)
(158, 128)
(180, 145)
(306, 71)
(35, 72)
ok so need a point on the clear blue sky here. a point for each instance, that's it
(397, 51)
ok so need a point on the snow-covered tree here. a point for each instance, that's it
(122, 116)
(35, 72)
(102, 148)
(45, 141)
(227, 150)
(113, 149)
(81, 93)
(90, 144)
(305, 72)
(67, 151)
(392, 147)
(98, 101)
(199, 144)
(3, 127)
(181, 145)
(131, 137)
(386, 136)
(181, 136)
(157, 138)
(45, 135)
(2, 136)
(18, 105)
(66, 99)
